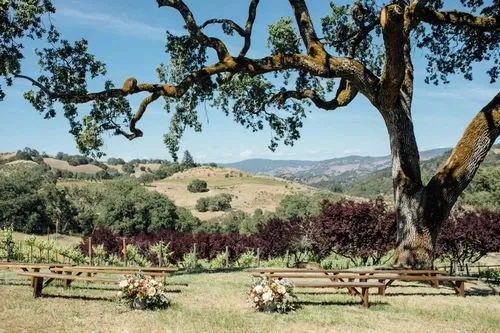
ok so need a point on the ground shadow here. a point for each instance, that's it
(299, 304)
(80, 297)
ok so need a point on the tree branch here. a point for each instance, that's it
(140, 112)
(392, 22)
(35, 83)
(459, 19)
(229, 22)
(252, 12)
(194, 29)
(349, 69)
(313, 45)
(457, 172)
(345, 94)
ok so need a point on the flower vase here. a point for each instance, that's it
(138, 304)
(269, 308)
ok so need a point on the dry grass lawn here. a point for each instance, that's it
(216, 302)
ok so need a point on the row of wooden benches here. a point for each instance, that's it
(357, 282)
(363, 280)
(67, 274)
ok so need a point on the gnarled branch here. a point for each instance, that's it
(194, 29)
(313, 45)
(344, 96)
(459, 19)
(457, 172)
(392, 22)
(229, 22)
(252, 12)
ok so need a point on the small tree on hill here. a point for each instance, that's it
(197, 185)
(188, 160)
(146, 178)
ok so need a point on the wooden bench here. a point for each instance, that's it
(130, 268)
(29, 267)
(351, 286)
(38, 278)
(90, 271)
(458, 282)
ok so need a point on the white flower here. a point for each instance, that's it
(136, 284)
(281, 290)
(267, 296)
(123, 283)
(256, 299)
(258, 289)
(151, 291)
(120, 294)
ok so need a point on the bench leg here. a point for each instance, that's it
(364, 297)
(460, 288)
(381, 290)
(36, 270)
(435, 283)
(37, 286)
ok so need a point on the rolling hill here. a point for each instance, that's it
(313, 172)
(249, 191)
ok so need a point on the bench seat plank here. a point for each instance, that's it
(458, 282)
(103, 271)
(67, 277)
(351, 286)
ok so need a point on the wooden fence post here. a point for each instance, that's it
(227, 256)
(161, 254)
(194, 256)
(287, 257)
(125, 259)
(90, 251)
(258, 257)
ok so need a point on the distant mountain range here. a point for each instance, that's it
(313, 172)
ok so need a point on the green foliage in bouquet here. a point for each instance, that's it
(272, 295)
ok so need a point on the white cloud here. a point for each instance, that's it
(246, 153)
(352, 151)
(113, 24)
(313, 152)
(474, 92)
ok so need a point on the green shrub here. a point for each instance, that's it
(197, 186)
(247, 259)
(219, 261)
(221, 202)
(202, 204)
(274, 262)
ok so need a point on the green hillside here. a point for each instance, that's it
(483, 192)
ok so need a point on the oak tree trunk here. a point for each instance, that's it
(421, 210)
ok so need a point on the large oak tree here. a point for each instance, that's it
(365, 49)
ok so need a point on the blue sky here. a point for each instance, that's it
(129, 37)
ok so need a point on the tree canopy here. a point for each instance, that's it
(365, 49)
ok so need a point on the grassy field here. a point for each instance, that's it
(216, 302)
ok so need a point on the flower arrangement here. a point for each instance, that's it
(271, 295)
(143, 292)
